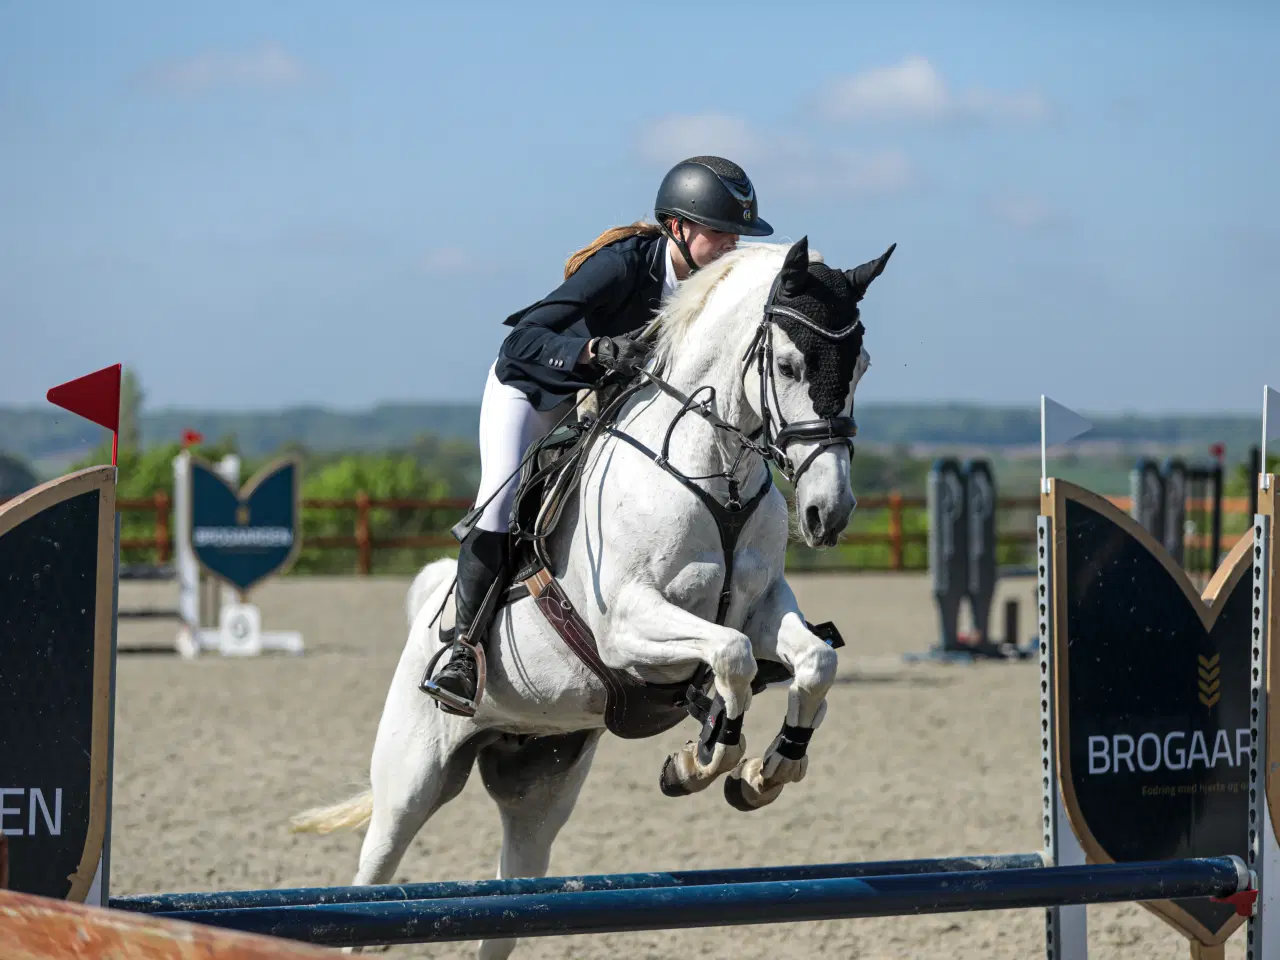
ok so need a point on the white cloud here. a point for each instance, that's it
(671, 139)
(269, 68)
(852, 172)
(914, 91)
(787, 162)
(1024, 212)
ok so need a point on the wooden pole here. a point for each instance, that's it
(896, 558)
(363, 542)
(38, 928)
(162, 527)
(1200, 952)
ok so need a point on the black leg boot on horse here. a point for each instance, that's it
(482, 561)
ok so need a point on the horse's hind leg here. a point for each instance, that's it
(535, 782)
(421, 760)
(425, 778)
(413, 777)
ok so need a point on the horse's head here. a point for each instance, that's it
(802, 370)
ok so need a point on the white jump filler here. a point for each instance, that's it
(238, 538)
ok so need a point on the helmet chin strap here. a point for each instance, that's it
(681, 245)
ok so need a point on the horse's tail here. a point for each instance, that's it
(349, 814)
(425, 583)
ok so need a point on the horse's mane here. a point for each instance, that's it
(682, 309)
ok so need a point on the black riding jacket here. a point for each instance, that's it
(615, 292)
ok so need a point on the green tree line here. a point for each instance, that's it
(440, 468)
(432, 469)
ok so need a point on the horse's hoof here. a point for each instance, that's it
(745, 787)
(736, 796)
(667, 780)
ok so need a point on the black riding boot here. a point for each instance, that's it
(481, 561)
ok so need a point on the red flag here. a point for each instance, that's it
(191, 437)
(96, 397)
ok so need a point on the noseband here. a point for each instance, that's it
(775, 438)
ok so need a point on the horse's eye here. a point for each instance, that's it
(787, 369)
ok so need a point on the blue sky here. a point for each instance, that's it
(257, 205)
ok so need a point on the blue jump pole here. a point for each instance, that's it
(717, 905)
(305, 896)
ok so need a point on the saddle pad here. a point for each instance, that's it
(633, 709)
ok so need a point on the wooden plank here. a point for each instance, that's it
(38, 928)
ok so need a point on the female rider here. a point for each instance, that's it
(565, 342)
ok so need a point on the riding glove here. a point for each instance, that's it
(621, 353)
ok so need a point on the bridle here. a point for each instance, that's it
(770, 440)
(824, 431)
(731, 517)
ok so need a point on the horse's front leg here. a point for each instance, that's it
(778, 632)
(645, 629)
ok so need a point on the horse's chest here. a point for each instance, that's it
(692, 570)
(697, 584)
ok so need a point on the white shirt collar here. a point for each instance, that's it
(669, 276)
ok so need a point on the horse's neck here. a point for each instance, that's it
(697, 448)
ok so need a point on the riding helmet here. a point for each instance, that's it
(714, 192)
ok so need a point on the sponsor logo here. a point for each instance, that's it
(37, 812)
(242, 537)
(1210, 679)
(1176, 750)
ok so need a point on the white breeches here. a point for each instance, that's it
(508, 424)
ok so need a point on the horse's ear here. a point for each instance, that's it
(860, 277)
(795, 268)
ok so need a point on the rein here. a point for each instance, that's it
(731, 517)
(626, 710)
(824, 432)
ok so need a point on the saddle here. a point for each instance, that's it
(634, 709)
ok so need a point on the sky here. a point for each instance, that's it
(265, 205)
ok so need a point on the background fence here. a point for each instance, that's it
(365, 534)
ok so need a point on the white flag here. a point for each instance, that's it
(1270, 422)
(1058, 424)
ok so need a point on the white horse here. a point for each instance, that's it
(640, 557)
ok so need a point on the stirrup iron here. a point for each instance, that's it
(446, 700)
